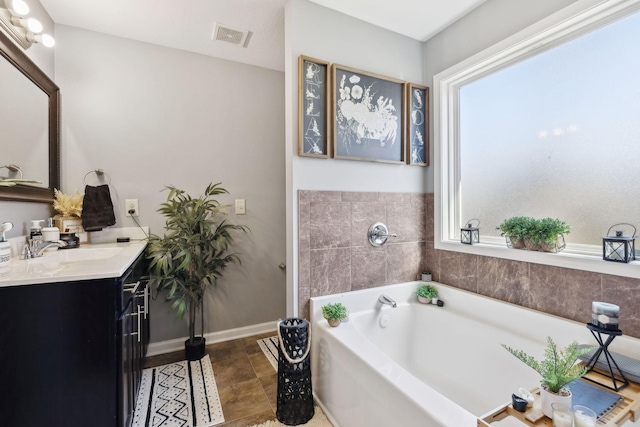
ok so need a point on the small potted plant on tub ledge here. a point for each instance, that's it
(334, 313)
(558, 368)
(426, 276)
(427, 294)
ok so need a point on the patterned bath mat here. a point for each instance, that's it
(181, 394)
(269, 347)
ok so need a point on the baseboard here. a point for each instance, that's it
(177, 344)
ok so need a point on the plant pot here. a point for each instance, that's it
(554, 247)
(426, 277)
(529, 244)
(334, 322)
(194, 350)
(424, 300)
(516, 242)
(547, 398)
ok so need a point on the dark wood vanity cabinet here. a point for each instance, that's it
(71, 353)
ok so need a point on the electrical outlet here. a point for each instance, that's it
(131, 207)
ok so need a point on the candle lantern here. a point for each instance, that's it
(470, 234)
(618, 247)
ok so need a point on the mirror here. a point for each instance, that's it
(29, 126)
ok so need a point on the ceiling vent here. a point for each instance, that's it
(227, 34)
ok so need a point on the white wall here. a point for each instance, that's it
(321, 33)
(151, 116)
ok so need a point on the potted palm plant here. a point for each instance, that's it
(557, 369)
(191, 256)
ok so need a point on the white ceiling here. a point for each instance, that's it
(418, 19)
(188, 24)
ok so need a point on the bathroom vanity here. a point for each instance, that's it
(74, 328)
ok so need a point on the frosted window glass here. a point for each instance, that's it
(557, 135)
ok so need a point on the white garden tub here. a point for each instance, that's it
(423, 365)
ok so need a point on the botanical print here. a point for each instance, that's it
(314, 106)
(368, 117)
(418, 148)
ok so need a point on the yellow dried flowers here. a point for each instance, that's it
(68, 205)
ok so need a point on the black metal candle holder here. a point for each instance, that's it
(597, 332)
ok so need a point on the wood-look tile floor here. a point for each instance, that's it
(247, 383)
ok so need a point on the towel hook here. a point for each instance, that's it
(99, 173)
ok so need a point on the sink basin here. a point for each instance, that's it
(82, 254)
(87, 262)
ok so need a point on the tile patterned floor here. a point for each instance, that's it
(247, 383)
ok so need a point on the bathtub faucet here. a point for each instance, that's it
(384, 299)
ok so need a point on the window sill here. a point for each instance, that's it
(564, 259)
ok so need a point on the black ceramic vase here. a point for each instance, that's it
(194, 350)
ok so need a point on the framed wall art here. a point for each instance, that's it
(367, 116)
(417, 125)
(313, 107)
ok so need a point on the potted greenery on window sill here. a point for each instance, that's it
(545, 235)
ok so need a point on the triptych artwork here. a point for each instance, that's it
(346, 113)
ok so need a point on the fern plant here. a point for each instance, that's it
(558, 368)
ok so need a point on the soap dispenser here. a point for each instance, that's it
(5, 247)
(36, 232)
(50, 233)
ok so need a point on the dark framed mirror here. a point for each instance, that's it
(30, 129)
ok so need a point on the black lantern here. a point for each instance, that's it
(619, 248)
(470, 234)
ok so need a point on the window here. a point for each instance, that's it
(546, 124)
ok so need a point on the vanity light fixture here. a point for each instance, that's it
(29, 24)
(45, 39)
(17, 7)
(24, 30)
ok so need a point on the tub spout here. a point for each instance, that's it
(384, 299)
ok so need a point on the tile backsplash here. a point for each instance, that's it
(335, 256)
(334, 253)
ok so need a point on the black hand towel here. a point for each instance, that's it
(97, 208)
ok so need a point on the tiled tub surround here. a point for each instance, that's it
(334, 253)
(329, 263)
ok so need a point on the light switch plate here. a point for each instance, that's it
(240, 207)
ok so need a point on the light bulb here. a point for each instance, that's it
(45, 39)
(17, 7)
(34, 25)
(30, 24)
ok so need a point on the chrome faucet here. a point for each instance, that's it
(384, 299)
(37, 251)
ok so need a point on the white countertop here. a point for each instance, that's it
(87, 262)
